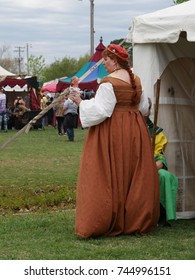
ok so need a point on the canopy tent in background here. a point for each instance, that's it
(164, 48)
(16, 88)
(49, 86)
(5, 73)
(12, 82)
(92, 80)
(9, 85)
(30, 83)
(34, 94)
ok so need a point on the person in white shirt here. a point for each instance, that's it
(118, 185)
(70, 111)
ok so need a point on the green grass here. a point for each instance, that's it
(39, 170)
(50, 236)
(38, 178)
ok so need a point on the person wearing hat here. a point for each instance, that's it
(118, 185)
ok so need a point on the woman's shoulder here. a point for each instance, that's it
(105, 79)
(110, 79)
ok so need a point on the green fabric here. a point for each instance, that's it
(168, 182)
(168, 193)
(159, 130)
(161, 158)
(151, 126)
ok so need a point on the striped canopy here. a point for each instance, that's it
(91, 81)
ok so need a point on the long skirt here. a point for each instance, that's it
(118, 183)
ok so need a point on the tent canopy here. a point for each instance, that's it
(164, 43)
(16, 88)
(164, 25)
(12, 82)
(4, 72)
(29, 83)
(51, 87)
(91, 81)
(159, 38)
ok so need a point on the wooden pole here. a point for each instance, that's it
(43, 112)
(27, 127)
(156, 113)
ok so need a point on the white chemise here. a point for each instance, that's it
(97, 109)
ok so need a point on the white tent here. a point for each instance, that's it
(4, 72)
(164, 48)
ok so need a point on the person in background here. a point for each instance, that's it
(64, 123)
(118, 184)
(74, 82)
(27, 100)
(20, 106)
(59, 112)
(43, 101)
(70, 111)
(3, 111)
(19, 101)
(43, 105)
(10, 116)
(50, 112)
(168, 181)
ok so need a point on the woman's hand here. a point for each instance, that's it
(75, 97)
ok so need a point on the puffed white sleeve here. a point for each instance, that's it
(143, 105)
(97, 109)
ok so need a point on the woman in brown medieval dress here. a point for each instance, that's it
(118, 187)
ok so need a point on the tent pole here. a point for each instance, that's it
(156, 113)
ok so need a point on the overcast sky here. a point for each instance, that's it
(59, 28)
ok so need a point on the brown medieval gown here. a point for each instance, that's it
(118, 185)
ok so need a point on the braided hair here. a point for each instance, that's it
(124, 64)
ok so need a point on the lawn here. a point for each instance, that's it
(37, 208)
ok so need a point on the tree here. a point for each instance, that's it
(63, 67)
(36, 66)
(179, 1)
(6, 61)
